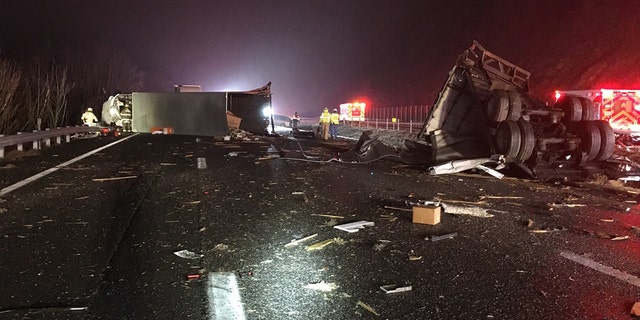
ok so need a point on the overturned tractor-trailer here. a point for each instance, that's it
(484, 114)
(193, 113)
(485, 110)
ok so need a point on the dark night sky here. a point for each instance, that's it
(316, 53)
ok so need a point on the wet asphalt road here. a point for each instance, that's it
(79, 244)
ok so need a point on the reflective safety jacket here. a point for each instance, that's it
(325, 117)
(335, 118)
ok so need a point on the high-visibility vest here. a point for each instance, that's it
(335, 118)
(325, 117)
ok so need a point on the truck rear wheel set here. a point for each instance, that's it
(515, 137)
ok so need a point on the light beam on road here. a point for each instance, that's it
(224, 297)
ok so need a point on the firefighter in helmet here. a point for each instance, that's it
(333, 124)
(126, 118)
(89, 118)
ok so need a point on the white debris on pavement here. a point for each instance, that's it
(322, 286)
(186, 254)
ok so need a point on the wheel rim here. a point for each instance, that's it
(571, 107)
(607, 140)
(590, 138)
(508, 139)
(515, 106)
(528, 140)
(497, 105)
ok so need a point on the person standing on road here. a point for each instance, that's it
(88, 118)
(333, 124)
(325, 118)
(126, 118)
(295, 121)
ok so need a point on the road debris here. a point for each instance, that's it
(194, 276)
(327, 216)
(320, 245)
(354, 226)
(548, 230)
(186, 254)
(565, 205)
(471, 211)
(635, 310)
(296, 242)
(322, 286)
(414, 257)
(367, 307)
(426, 214)
(442, 237)
(221, 247)
(388, 217)
(394, 288)
(619, 238)
(381, 245)
(113, 178)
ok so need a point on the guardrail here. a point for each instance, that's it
(36, 138)
(410, 126)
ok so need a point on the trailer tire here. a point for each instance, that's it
(607, 140)
(528, 140)
(590, 137)
(515, 106)
(508, 139)
(572, 108)
(589, 111)
(497, 108)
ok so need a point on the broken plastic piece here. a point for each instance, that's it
(193, 276)
(463, 165)
(394, 288)
(442, 237)
(354, 226)
(186, 254)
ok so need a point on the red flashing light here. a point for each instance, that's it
(558, 95)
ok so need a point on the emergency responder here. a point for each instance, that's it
(126, 118)
(88, 118)
(333, 125)
(295, 121)
(325, 118)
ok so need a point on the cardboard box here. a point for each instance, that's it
(426, 214)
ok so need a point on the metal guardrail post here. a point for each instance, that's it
(36, 143)
(410, 126)
(47, 141)
(1, 148)
(387, 127)
(20, 147)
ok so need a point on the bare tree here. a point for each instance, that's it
(45, 95)
(10, 76)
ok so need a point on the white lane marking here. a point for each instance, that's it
(54, 169)
(202, 163)
(224, 297)
(621, 275)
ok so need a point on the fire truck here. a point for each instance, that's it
(619, 107)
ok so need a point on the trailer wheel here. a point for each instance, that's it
(590, 138)
(497, 106)
(572, 108)
(528, 140)
(515, 106)
(607, 140)
(589, 111)
(508, 139)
